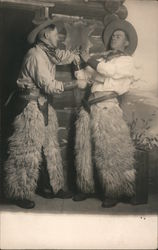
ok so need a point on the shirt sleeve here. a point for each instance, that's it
(117, 68)
(65, 56)
(118, 74)
(39, 73)
(121, 86)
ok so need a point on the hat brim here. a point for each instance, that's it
(127, 28)
(33, 34)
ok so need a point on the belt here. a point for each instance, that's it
(94, 100)
(43, 107)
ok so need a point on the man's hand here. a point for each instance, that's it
(90, 82)
(85, 55)
(70, 85)
(59, 88)
(77, 60)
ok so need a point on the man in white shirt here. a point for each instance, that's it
(33, 149)
(104, 150)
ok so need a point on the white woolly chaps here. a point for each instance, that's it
(24, 150)
(103, 145)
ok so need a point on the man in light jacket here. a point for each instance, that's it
(33, 149)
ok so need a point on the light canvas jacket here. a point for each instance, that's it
(38, 71)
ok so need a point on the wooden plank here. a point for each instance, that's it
(40, 3)
(89, 10)
(25, 5)
(53, 2)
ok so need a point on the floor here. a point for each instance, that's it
(89, 206)
(65, 224)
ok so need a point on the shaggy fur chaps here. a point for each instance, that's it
(103, 145)
(25, 145)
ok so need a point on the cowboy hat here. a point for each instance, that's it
(33, 34)
(127, 28)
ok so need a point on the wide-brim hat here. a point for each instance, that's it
(33, 34)
(127, 28)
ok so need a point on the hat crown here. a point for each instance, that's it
(42, 25)
(125, 26)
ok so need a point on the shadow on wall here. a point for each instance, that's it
(14, 27)
(16, 24)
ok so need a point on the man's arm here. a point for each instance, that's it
(120, 72)
(122, 67)
(66, 56)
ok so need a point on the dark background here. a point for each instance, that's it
(14, 26)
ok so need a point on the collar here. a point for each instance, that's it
(50, 51)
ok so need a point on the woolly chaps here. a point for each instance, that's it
(104, 148)
(24, 150)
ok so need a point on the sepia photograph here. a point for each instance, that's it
(79, 124)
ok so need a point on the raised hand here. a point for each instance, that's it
(85, 55)
(77, 60)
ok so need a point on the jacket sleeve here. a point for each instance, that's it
(117, 68)
(41, 76)
(65, 56)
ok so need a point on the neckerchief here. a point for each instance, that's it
(50, 52)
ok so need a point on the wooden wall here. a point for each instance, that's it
(16, 23)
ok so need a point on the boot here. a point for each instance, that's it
(63, 194)
(109, 202)
(83, 196)
(125, 199)
(46, 193)
(24, 203)
(134, 201)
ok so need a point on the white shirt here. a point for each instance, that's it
(115, 75)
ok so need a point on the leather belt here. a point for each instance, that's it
(43, 107)
(94, 100)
